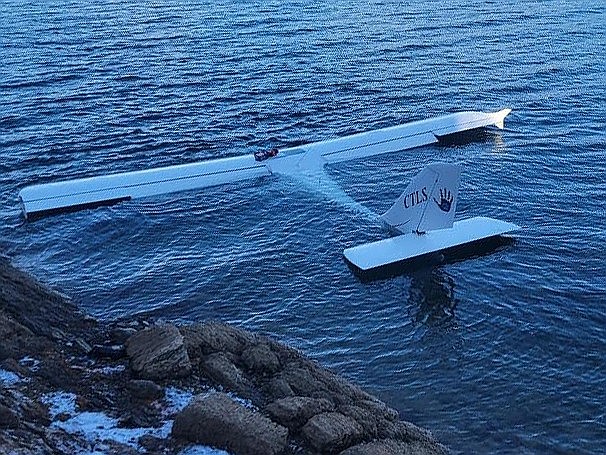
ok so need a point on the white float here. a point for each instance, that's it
(408, 246)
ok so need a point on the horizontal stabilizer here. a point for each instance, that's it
(409, 246)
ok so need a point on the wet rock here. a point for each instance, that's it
(260, 359)
(331, 432)
(219, 421)
(294, 412)
(143, 389)
(158, 352)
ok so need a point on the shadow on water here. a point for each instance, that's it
(477, 135)
(432, 291)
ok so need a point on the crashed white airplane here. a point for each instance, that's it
(40, 200)
(424, 217)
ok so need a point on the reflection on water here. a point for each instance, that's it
(432, 297)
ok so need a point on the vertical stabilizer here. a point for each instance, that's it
(500, 118)
(429, 201)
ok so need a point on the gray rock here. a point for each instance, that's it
(144, 389)
(83, 346)
(407, 432)
(42, 310)
(119, 335)
(151, 443)
(111, 351)
(331, 432)
(219, 421)
(220, 370)
(380, 409)
(210, 337)
(17, 340)
(277, 388)
(158, 352)
(369, 421)
(260, 359)
(301, 380)
(294, 412)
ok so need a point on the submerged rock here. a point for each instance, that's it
(219, 421)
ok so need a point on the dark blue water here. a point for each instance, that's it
(503, 353)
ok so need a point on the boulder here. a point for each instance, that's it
(369, 421)
(260, 359)
(277, 388)
(380, 409)
(210, 337)
(220, 370)
(112, 351)
(301, 379)
(294, 412)
(158, 352)
(331, 432)
(217, 420)
(407, 432)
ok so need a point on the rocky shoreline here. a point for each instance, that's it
(164, 389)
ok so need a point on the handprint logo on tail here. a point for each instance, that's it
(445, 202)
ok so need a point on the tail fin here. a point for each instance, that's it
(429, 201)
